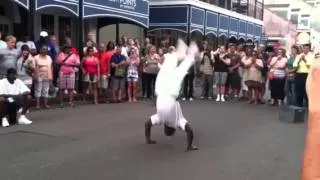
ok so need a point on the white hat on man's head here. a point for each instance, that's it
(44, 34)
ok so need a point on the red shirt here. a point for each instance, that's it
(104, 60)
(90, 65)
(74, 51)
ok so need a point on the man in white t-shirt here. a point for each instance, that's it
(168, 85)
(14, 94)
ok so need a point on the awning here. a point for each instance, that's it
(223, 25)
(69, 5)
(23, 3)
(242, 29)
(169, 17)
(136, 11)
(211, 23)
(234, 27)
(197, 20)
(177, 18)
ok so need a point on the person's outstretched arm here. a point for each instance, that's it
(189, 60)
(311, 162)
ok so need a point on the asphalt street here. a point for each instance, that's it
(237, 141)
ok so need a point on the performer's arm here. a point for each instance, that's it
(182, 69)
(147, 130)
(311, 163)
(189, 132)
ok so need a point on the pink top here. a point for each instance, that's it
(68, 66)
(134, 60)
(278, 63)
(43, 67)
(90, 65)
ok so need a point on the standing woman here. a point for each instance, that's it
(43, 76)
(68, 63)
(151, 70)
(253, 67)
(26, 66)
(132, 74)
(91, 71)
(277, 76)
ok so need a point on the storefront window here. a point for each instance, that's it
(47, 23)
(64, 29)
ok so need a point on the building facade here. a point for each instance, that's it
(278, 30)
(62, 18)
(197, 20)
(109, 19)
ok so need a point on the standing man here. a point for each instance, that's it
(168, 85)
(104, 60)
(235, 78)
(8, 56)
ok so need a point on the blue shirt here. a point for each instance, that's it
(117, 58)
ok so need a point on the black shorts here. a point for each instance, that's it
(13, 107)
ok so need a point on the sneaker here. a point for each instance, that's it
(190, 99)
(5, 122)
(210, 98)
(202, 97)
(222, 99)
(183, 99)
(23, 120)
(218, 98)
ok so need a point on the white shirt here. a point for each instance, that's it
(170, 76)
(3, 44)
(124, 51)
(17, 88)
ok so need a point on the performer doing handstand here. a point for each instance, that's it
(168, 85)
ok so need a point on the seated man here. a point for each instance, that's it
(14, 94)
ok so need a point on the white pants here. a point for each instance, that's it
(104, 82)
(42, 89)
(169, 113)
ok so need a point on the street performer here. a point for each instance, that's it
(168, 85)
(311, 163)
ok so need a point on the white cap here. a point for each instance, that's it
(43, 34)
